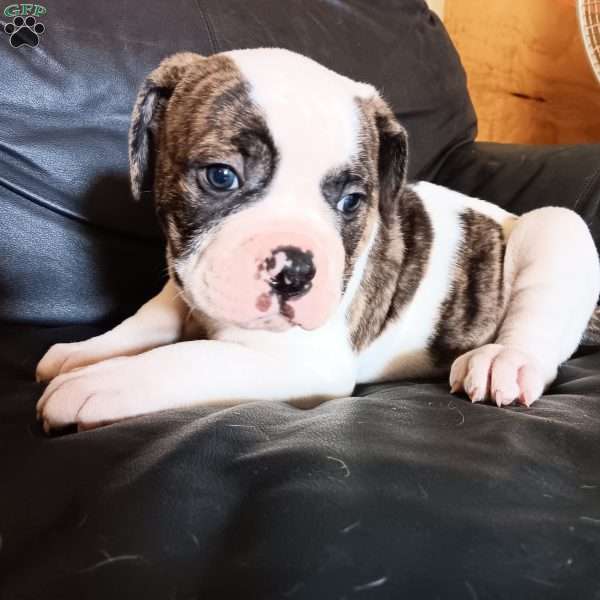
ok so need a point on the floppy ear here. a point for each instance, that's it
(147, 117)
(393, 154)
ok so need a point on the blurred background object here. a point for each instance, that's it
(588, 13)
(437, 6)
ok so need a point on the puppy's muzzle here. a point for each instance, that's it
(270, 272)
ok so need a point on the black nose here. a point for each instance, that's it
(297, 274)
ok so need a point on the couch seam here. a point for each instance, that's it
(72, 216)
(446, 156)
(585, 192)
(212, 38)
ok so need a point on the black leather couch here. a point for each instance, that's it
(401, 491)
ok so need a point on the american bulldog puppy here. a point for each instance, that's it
(301, 262)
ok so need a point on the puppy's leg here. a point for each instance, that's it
(189, 373)
(156, 323)
(553, 265)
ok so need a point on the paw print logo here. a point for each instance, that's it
(24, 32)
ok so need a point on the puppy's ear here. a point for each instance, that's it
(393, 154)
(148, 114)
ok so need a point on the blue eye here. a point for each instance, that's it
(222, 178)
(349, 203)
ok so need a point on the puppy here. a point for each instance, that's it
(301, 262)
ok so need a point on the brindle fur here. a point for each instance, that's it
(192, 112)
(474, 306)
(396, 265)
(401, 248)
(358, 176)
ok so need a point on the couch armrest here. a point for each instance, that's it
(520, 177)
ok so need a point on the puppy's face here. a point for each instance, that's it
(269, 174)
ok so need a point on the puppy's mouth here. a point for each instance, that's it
(278, 316)
(265, 301)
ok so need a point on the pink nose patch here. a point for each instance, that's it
(260, 273)
(264, 303)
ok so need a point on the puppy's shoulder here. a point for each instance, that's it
(440, 199)
(474, 302)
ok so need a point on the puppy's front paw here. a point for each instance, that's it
(63, 358)
(60, 358)
(499, 373)
(93, 396)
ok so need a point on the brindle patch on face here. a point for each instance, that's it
(402, 244)
(377, 170)
(396, 266)
(148, 112)
(225, 128)
(356, 177)
(209, 119)
(473, 309)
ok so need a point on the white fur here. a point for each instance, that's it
(360, 265)
(553, 259)
(294, 94)
(437, 197)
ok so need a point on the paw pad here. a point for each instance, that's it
(498, 373)
(24, 32)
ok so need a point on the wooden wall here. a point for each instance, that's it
(528, 74)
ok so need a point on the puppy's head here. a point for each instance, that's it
(270, 174)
